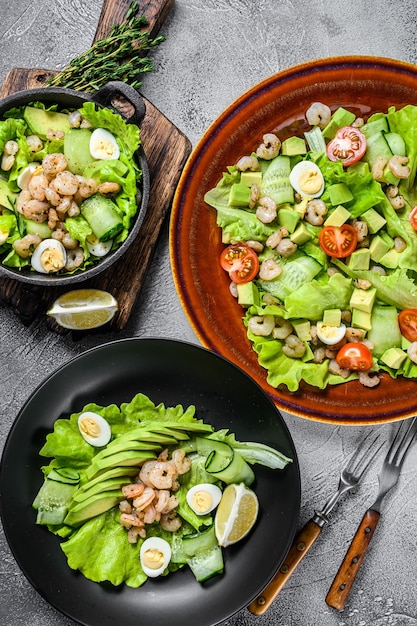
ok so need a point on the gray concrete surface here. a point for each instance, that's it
(215, 50)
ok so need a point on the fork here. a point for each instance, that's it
(387, 477)
(350, 476)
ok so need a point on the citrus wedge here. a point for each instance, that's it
(236, 514)
(83, 309)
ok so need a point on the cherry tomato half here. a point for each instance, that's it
(338, 241)
(240, 261)
(413, 217)
(348, 146)
(354, 356)
(407, 320)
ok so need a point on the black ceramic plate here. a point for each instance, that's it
(173, 373)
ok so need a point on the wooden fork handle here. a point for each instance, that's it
(301, 545)
(345, 577)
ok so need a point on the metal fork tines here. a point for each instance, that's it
(350, 477)
(387, 478)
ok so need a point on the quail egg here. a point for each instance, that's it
(203, 498)
(307, 179)
(26, 174)
(50, 256)
(155, 555)
(94, 429)
(97, 247)
(330, 335)
(103, 145)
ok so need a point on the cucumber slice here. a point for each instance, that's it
(204, 555)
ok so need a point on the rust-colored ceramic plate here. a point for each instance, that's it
(368, 83)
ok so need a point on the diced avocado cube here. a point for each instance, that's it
(374, 220)
(301, 207)
(339, 193)
(389, 178)
(247, 294)
(251, 178)
(360, 319)
(302, 329)
(294, 146)
(378, 247)
(360, 259)
(363, 299)
(389, 240)
(338, 216)
(390, 259)
(308, 354)
(7, 197)
(239, 195)
(300, 235)
(341, 117)
(288, 219)
(332, 317)
(393, 357)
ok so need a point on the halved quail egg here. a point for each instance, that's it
(97, 247)
(330, 335)
(203, 498)
(103, 145)
(94, 429)
(307, 179)
(155, 555)
(26, 174)
(49, 257)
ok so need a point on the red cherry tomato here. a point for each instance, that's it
(413, 217)
(338, 241)
(407, 320)
(354, 356)
(240, 261)
(348, 146)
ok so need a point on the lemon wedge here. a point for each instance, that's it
(236, 514)
(83, 309)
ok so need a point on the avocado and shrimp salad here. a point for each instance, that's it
(68, 186)
(141, 490)
(321, 247)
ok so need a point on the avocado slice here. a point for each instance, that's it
(128, 458)
(97, 504)
(117, 446)
(40, 121)
(81, 495)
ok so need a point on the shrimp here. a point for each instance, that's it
(392, 191)
(36, 210)
(282, 329)
(354, 334)
(135, 532)
(144, 499)
(369, 378)
(269, 269)
(398, 166)
(53, 218)
(53, 164)
(145, 471)
(246, 163)
(397, 203)
(74, 259)
(261, 325)
(286, 247)
(74, 119)
(150, 514)
(255, 245)
(361, 228)
(254, 196)
(181, 461)
(65, 183)
(266, 211)
(170, 522)
(23, 197)
(11, 147)
(334, 368)
(69, 242)
(293, 347)
(125, 507)
(37, 186)
(362, 283)
(74, 209)
(162, 499)
(24, 247)
(35, 143)
(378, 168)
(399, 244)
(133, 490)
(163, 474)
(52, 134)
(108, 188)
(315, 212)
(276, 238)
(7, 162)
(63, 207)
(318, 114)
(129, 519)
(319, 355)
(88, 187)
(412, 351)
(270, 147)
(52, 196)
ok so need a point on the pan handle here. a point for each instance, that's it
(121, 98)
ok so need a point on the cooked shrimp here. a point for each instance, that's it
(145, 471)
(412, 351)
(36, 210)
(65, 183)
(75, 257)
(361, 228)
(318, 114)
(354, 334)
(397, 203)
(37, 185)
(7, 162)
(108, 188)
(35, 143)
(181, 461)
(282, 329)
(52, 134)
(146, 497)
(362, 283)
(53, 218)
(254, 196)
(24, 247)
(88, 187)
(125, 507)
(334, 368)
(53, 164)
(269, 269)
(170, 522)
(127, 520)
(11, 147)
(133, 490)
(293, 347)
(266, 211)
(255, 245)
(23, 197)
(399, 244)
(286, 247)
(369, 378)
(74, 209)
(261, 325)
(74, 119)
(150, 514)
(246, 163)
(163, 474)
(276, 238)
(315, 212)
(392, 191)
(398, 166)
(69, 242)
(319, 354)
(52, 196)
(378, 168)
(270, 147)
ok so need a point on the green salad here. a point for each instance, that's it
(321, 248)
(131, 490)
(68, 186)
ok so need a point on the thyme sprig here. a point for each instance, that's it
(119, 56)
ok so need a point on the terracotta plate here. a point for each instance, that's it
(368, 84)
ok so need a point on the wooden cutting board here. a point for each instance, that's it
(166, 149)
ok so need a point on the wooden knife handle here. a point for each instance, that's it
(301, 545)
(345, 577)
